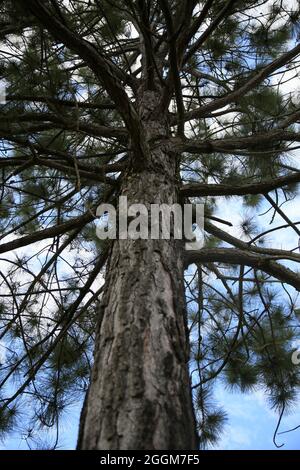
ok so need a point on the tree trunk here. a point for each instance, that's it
(140, 397)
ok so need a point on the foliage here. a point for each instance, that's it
(65, 146)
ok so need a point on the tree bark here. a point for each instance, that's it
(140, 395)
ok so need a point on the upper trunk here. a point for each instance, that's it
(139, 397)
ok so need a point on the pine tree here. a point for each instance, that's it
(161, 101)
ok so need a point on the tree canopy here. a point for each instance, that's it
(69, 131)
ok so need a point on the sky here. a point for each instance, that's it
(251, 423)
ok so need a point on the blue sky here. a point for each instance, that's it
(251, 423)
(68, 433)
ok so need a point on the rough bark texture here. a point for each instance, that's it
(139, 397)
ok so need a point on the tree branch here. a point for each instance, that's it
(214, 24)
(238, 189)
(106, 71)
(48, 232)
(234, 143)
(236, 242)
(236, 256)
(235, 95)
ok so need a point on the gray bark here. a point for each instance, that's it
(140, 397)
